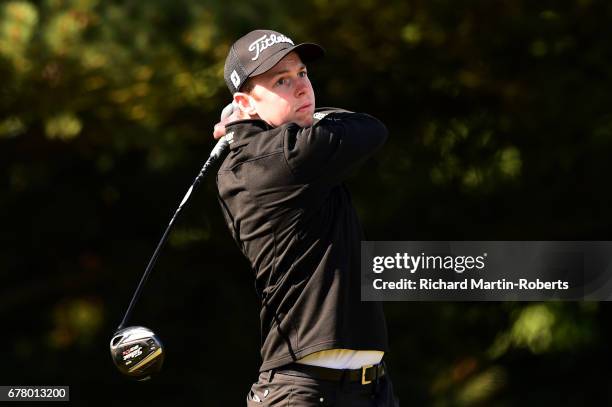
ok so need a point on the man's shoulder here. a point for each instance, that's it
(250, 141)
(321, 112)
(331, 110)
(245, 132)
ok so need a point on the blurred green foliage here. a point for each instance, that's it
(500, 124)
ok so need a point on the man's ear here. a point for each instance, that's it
(244, 102)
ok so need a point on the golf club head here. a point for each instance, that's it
(137, 352)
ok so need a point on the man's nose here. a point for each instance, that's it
(301, 86)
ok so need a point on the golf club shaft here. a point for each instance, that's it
(215, 154)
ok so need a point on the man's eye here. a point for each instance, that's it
(281, 81)
(303, 74)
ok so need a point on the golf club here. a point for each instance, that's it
(137, 351)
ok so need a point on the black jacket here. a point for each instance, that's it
(283, 198)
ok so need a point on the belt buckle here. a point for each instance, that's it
(363, 374)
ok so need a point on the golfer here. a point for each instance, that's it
(282, 195)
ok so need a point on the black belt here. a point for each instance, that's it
(366, 375)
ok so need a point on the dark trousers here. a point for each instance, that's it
(276, 389)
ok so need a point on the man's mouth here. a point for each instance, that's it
(304, 107)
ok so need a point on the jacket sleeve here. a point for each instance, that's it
(336, 144)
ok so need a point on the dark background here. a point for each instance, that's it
(500, 125)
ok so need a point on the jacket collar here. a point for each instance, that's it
(241, 132)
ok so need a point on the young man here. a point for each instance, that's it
(282, 194)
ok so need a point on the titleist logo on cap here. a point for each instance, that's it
(266, 41)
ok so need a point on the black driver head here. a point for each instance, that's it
(137, 352)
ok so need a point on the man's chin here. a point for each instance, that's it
(307, 123)
(305, 119)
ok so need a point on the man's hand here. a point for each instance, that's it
(219, 129)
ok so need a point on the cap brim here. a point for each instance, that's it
(307, 51)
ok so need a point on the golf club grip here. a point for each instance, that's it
(215, 154)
